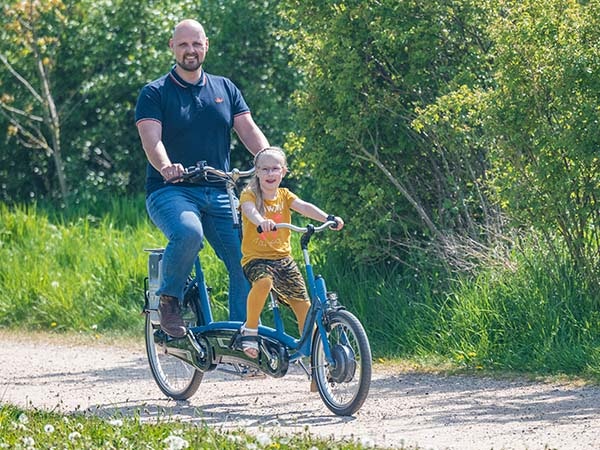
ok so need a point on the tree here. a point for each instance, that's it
(28, 56)
(542, 122)
(102, 53)
(370, 69)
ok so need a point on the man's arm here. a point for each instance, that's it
(150, 132)
(249, 133)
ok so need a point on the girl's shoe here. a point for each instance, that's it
(249, 339)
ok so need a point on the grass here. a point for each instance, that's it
(76, 273)
(31, 429)
(80, 272)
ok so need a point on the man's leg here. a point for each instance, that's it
(225, 240)
(176, 215)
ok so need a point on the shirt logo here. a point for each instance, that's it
(218, 99)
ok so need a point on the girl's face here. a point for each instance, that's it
(270, 170)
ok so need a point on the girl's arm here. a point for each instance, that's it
(314, 212)
(249, 210)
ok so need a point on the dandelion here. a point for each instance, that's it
(116, 422)
(235, 438)
(28, 441)
(74, 436)
(175, 443)
(48, 428)
(53, 324)
(367, 442)
(263, 439)
(23, 419)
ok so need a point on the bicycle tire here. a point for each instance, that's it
(343, 387)
(174, 377)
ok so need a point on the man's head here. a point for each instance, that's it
(189, 45)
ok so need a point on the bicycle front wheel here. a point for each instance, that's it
(344, 385)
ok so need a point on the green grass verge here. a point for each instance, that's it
(20, 429)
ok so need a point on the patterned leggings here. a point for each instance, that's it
(284, 278)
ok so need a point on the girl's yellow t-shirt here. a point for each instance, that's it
(272, 244)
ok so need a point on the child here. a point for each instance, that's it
(266, 257)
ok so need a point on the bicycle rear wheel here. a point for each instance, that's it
(175, 378)
(343, 386)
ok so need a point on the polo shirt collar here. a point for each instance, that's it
(184, 84)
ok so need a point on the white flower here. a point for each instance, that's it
(251, 446)
(55, 284)
(23, 418)
(367, 442)
(48, 428)
(94, 327)
(74, 436)
(263, 439)
(236, 438)
(116, 422)
(175, 443)
(28, 441)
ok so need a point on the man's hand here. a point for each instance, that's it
(171, 171)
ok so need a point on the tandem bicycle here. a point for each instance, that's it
(333, 342)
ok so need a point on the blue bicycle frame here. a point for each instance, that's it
(301, 347)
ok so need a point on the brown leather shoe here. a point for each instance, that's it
(171, 321)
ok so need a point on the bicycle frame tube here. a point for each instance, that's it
(205, 308)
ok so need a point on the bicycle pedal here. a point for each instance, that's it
(249, 373)
(252, 374)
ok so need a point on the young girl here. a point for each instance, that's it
(266, 257)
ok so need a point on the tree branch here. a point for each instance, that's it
(23, 81)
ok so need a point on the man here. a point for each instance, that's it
(184, 117)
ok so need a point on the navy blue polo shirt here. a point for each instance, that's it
(196, 119)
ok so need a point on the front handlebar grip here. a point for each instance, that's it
(260, 230)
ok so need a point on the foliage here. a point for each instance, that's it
(102, 54)
(542, 122)
(370, 67)
(31, 35)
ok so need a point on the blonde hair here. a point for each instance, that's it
(254, 184)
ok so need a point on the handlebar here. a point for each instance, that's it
(201, 172)
(310, 227)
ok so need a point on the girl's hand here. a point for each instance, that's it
(267, 225)
(340, 223)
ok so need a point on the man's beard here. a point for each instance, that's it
(190, 66)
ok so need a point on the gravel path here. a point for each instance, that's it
(403, 408)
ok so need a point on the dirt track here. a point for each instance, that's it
(431, 411)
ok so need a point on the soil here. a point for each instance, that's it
(404, 408)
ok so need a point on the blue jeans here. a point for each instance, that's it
(186, 215)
